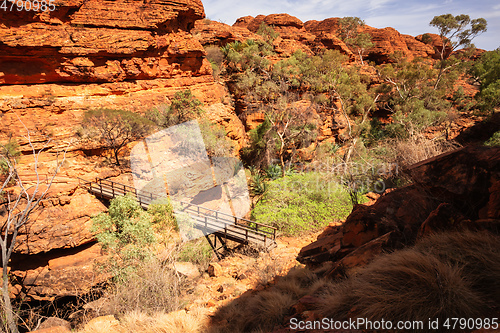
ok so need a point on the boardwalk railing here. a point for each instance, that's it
(209, 221)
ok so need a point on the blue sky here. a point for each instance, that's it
(410, 17)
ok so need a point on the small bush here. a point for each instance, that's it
(267, 32)
(258, 184)
(273, 172)
(184, 107)
(494, 141)
(197, 251)
(302, 202)
(153, 287)
(9, 153)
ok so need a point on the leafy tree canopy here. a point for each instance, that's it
(487, 71)
(458, 31)
(115, 128)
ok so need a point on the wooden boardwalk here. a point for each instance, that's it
(222, 226)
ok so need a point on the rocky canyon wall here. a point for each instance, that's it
(55, 65)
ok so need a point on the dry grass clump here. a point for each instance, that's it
(448, 275)
(153, 287)
(262, 311)
(419, 148)
(406, 285)
(477, 253)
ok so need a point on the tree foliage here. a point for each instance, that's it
(454, 31)
(184, 107)
(457, 31)
(409, 94)
(487, 72)
(350, 34)
(127, 232)
(115, 128)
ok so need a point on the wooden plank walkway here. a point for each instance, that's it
(210, 222)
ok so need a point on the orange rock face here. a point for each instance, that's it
(215, 33)
(95, 41)
(54, 66)
(68, 273)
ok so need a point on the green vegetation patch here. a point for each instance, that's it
(303, 202)
(494, 141)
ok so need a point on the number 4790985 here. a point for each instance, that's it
(27, 5)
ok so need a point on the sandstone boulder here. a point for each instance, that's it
(187, 269)
(70, 272)
(216, 33)
(53, 322)
(64, 223)
(214, 270)
(54, 329)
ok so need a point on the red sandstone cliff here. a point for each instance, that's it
(57, 64)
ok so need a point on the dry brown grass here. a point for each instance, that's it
(444, 276)
(262, 311)
(419, 148)
(406, 285)
(477, 253)
(153, 287)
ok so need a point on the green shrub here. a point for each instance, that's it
(162, 215)
(258, 184)
(215, 138)
(273, 172)
(125, 233)
(267, 32)
(9, 153)
(494, 141)
(184, 107)
(302, 202)
(197, 251)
